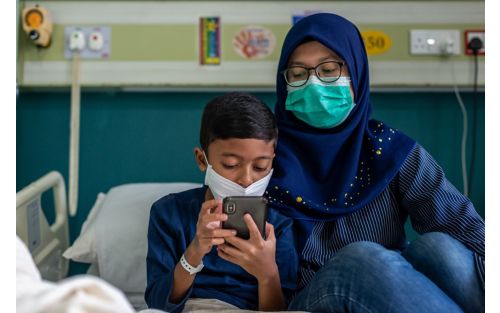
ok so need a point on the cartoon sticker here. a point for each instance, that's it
(254, 42)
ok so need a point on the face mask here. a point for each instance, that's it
(319, 104)
(222, 187)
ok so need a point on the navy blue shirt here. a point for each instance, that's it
(419, 191)
(172, 227)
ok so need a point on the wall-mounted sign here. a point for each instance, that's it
(254, 42)
(297, 16)
(376, 42)
(210, 40)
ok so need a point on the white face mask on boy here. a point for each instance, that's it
(222, 187)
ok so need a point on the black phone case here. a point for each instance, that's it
(236, 207)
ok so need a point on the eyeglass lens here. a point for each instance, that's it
(326, 72)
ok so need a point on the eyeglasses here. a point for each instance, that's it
(327, 72)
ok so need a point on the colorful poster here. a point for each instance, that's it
(254, 42)
(210, 41)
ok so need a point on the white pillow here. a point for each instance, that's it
(121, 230)
(84, 248)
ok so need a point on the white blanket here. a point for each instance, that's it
(73, 295)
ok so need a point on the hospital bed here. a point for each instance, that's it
(113, 238)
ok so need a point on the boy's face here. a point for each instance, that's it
(243, 161)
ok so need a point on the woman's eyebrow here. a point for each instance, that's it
(323, 59)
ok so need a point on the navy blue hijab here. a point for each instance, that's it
(324, 174)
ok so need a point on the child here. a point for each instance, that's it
(189, 255)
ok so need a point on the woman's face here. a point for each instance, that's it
(312, 53)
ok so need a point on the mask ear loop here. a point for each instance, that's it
(206, 159)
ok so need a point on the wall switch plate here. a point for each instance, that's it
(97, 42)
(434, 42)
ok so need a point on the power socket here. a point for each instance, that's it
(434, 42)
(471, 34)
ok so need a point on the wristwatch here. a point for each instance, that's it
(190, 269)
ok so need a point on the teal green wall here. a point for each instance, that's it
(149, 137)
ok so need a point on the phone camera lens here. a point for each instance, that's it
(231, 208)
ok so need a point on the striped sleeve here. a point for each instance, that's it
(435, 205)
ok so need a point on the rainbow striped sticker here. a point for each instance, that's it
(210, 41)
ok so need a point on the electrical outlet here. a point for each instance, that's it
(96, 42)
(469, 35)
(434, 42)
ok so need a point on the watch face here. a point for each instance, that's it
(34, 18)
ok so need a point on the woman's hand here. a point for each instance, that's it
(255, 255)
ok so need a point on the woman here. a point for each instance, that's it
(350, 183)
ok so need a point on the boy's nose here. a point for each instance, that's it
(245, 178)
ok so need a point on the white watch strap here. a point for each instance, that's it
(190, 269)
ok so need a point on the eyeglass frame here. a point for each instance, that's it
(315, 68)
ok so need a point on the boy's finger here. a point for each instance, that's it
(270, 231)
(237, 242)
(226, 256)
(223, 233)
(230, 250)
(216, 241)
(210, 205)
(215, 217)
(252, 227)
(213, 225)
(218, 209)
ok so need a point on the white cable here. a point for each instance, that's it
(464, 133)
(74, 135)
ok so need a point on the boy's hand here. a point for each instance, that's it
(255, 255)
(208, 231)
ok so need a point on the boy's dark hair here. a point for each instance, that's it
(236, 115)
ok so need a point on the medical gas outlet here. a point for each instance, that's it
(37, 24)
(434, 42)
(77, 41)
(91, 42)
(96, 41)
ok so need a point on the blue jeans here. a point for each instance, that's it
(435, 273)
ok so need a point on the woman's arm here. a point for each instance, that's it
(434, 204)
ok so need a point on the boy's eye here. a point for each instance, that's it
(229, 166)
(259, 169)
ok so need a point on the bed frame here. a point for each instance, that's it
(45, 242)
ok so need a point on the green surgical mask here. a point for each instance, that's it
(320, 104)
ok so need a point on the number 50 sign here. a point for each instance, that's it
(376, 42)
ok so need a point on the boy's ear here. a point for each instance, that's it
(199, 158)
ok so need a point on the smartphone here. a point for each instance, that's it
(236, 207)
